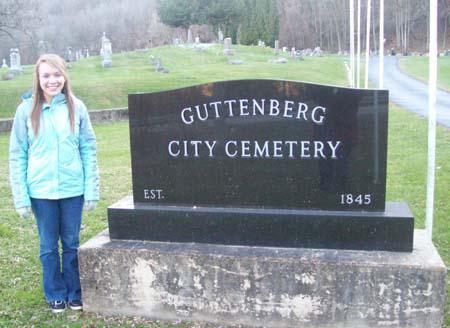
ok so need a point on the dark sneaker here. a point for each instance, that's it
(57, 306)
(76, 305)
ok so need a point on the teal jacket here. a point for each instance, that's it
(57, 163)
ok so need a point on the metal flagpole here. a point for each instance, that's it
(366, 84)
(358, 47)
(381, 52)
(352, 44)
(432, 77)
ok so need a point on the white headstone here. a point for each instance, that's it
(4, 65)
(42, 47)
(14, 59)
(197, 40)
(106, 51)
(189, 36)
(317, 52)
(293, 52)
(220, 34)
(104, 38)
(227, 47)
(277, 47)
(158, 64)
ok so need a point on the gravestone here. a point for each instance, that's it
(277, 47)
(106, 51)
(14, 60)
(220, 36)
(306, 52)
(197, 40)
(235, 62)
(8, 76)
(279, 60)
(4, 65)
(189, 36)
(293, 52)
(317, 52)
(157, 62)
(299, 54)
(87, 52)
(68, 55)
(42, 47)
(234, 185)
(227, 47)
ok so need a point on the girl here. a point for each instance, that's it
(53, 172)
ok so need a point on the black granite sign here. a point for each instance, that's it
(262, 163)
(260, 144)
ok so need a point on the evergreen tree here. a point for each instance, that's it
(217, 13)
(176, 13)
(256, 19)
(260, 22)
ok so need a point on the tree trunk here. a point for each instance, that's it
(338, 34)
(407, 24)
(444, 38)
(397, 24)
(374, 39)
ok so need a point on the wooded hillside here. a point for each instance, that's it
(296, 23)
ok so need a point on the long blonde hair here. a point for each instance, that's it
(58, 63)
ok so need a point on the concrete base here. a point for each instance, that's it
(263, 286)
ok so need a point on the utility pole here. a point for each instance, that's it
(432, 81)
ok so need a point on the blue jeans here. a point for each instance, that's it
(59, 219)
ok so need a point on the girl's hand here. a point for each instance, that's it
(89, 205)
(24, 212)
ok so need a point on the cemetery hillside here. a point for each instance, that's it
(136, 72)
(171, 67)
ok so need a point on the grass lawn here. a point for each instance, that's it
(21, 297)
(132, 72)
(417, 66)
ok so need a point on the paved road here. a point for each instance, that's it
(409, 93)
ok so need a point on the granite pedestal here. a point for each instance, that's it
(390, 230)
(264, 286)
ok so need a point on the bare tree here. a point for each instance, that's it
(16, 24)
(303, 24)
(445, 19)
(10, 17)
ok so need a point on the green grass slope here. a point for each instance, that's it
(417, 67)
(132, 72)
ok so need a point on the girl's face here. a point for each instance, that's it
(51, 81)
